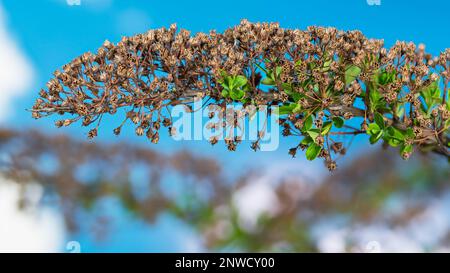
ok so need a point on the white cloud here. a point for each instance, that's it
(388, 240)
(259, 198)
(254, 200)
(35, 229)
(16, 73)
(425, 231)
(432, 225)
(332, 241)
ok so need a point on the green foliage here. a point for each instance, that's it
(390, 134)
(393, 136)
(351, 73)
(376, 130)
(313, 133)
(384, 77)
(272, 76)
(338, 122)
(313, 151)
(307, 124)
(326, 127)
(286, 109)
(375, 133)
(376, 100)
(431, 96)
(379, 120)
(234, 86)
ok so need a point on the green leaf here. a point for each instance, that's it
(375, 133)
(224, 84)
(409, 133)
(297, 109)
(313, 151)
(228, 82)
(386, 77)
(287, 87)
(278, 71)
(431, 95)
(307, 124)
(373, 129)
(382, 77)
(294, 96)
(307, 140)
(326, 127)
(406, 149)
(394, 142)
(326, 65)
(223, 74)
(313, 133)
(240, 81)
(225, 93)
(393, 136)
(285, 109)
(399, 110)
(375, 98)
(351, 73)
(396, 133)
(338, 122)
(375, 137)
(379, 120)
(268, 81)
(237, 94)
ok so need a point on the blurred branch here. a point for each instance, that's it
(359, 190)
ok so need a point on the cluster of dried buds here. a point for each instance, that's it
(328, 84)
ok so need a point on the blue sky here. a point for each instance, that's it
(51, 33)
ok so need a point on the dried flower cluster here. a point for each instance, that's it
(327, 82)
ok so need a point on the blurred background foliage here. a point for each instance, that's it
(376, 189)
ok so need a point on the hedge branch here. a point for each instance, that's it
(322, 79)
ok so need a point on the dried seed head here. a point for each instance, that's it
(139, 131)
(155, 138)
(293, 151)
(331, 165)
(135, 119)
(348, 115)
(92, 133)
(67, 122)
(319, 140)
(117, 131)
(59, 123)
(255, 146)
(213, 140)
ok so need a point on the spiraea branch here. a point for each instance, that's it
(326, 83)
